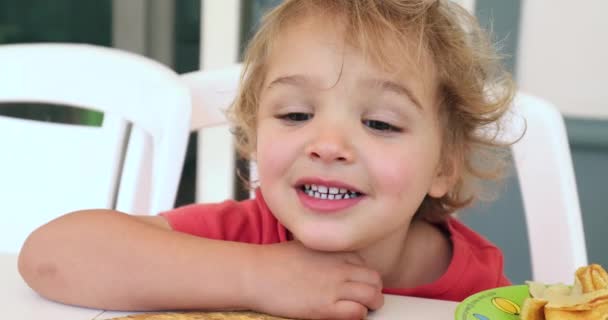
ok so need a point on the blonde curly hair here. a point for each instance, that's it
(474, 88)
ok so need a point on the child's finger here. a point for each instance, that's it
(365, 275)
(365, 294)
(354, 259)
(348, 310)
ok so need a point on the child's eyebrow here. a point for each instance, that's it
(394, 87)
(299, 80)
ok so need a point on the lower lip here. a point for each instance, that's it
(326, 206)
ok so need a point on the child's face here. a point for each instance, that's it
(329, 118)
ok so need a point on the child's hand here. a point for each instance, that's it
(294, 281)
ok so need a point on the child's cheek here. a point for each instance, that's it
(401, 175)
(394, 177)
(270, 160)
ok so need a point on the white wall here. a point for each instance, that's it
(467, 4)
(219, 46)
(145, 27)
(563, 54)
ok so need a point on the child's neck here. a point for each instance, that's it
(409, 259)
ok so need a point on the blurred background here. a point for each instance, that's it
(555, 49)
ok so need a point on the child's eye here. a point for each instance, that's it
(295, 116)
(381, 126)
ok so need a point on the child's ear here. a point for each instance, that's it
(445, 178)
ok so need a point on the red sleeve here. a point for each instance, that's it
(476, 265)
(246, 221)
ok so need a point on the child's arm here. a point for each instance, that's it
(109, 260)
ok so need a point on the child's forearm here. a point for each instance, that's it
(110, 260)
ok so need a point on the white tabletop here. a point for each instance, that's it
(20, 302)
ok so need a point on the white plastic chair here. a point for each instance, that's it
(542, 159)
(547, 182)
(212, 92)
(131, 163)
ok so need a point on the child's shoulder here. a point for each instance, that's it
(243, 221)
(475, 259)
(462, 234)
(255, 206)
(475, 264)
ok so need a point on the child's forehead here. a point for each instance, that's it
(391, 50)
(394, 58)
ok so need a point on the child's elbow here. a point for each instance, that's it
(33, 263)
(40, 256)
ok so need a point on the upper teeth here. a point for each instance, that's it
(325, 192)
(326, 189)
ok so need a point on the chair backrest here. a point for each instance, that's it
(542, 160)
(546, 178)
(212, 93)
(131, 163)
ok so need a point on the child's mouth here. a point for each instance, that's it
(329, 193)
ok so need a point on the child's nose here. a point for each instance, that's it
(331, 145)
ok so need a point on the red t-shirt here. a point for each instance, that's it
(476, 263)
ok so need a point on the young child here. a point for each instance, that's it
(364, 119)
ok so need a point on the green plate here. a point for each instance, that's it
(495, 304)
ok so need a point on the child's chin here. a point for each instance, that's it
(330, 244)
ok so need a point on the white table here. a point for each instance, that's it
(18, 301)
